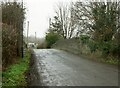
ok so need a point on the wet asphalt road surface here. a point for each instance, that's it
(60, 68)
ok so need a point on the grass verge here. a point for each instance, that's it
(15, 74)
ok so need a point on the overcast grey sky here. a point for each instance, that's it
(38, 13)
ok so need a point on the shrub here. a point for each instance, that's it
(92, 45)
(9, 45)
(84, 39)
(41, 46)
(51, 38)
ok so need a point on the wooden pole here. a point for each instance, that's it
(22, 37)
(27, 32)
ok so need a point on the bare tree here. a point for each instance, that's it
(83, 17)
(64, 14)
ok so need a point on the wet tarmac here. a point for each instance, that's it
(60, 68)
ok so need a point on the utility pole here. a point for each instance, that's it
(35, 37)
(22, 36)
(27, 32)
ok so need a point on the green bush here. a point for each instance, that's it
(84, 39)
(115, 49)
(105, 48)
(92, 45)
(51, 38)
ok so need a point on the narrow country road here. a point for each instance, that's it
(60, 68)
